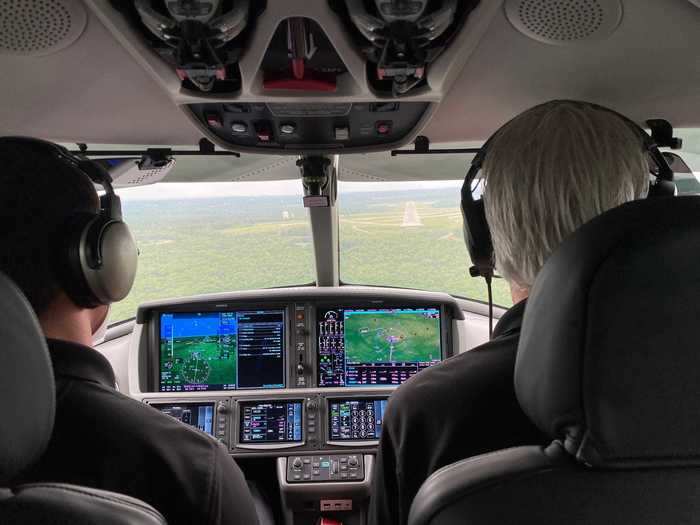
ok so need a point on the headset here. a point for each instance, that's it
(96, 254)
(477, 234)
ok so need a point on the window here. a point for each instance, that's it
(408, 234)
(212, 237)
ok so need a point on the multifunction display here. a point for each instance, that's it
(221, 350)
(271, 422)
(350, 419)
(358, 347)
(198, 415)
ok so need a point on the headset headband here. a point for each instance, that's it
(664, 170)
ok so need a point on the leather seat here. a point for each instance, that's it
(27, 402)
(608, 366)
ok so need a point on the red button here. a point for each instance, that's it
(383, 127)
(263, 131)
(214, 120)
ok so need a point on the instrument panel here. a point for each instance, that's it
(299, 371)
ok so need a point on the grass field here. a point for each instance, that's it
(391, 337)
(199, 360)
(194, 246)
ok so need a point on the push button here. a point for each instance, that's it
(214, 120)
(239, 127)
(263, 131)
(383, 127)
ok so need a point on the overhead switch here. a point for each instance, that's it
(239, 127)
(288, 128)
(341, 133)
(263, 130)
(214, 120)
(383, 127)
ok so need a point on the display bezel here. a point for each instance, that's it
(319, 308)
(348, 442)
(154, 341)
(237, 423)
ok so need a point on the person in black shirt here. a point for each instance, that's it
(548, 171)
(101, 438)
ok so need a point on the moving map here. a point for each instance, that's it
(377, 346)
(380, 336)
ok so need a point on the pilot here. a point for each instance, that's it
(102, 439)
(548, 171)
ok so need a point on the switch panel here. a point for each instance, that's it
(303, 127)
(336, 467)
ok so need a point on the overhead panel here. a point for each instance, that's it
(295, 77)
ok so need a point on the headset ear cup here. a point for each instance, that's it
(69, 247)
(477, 235)
(109, 260)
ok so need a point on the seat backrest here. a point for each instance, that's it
(608, 366)
(27, 404)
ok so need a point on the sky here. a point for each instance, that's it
(204, 190)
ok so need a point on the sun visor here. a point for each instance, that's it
(129, 172)
(419, 167)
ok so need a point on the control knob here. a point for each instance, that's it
(297, 463)
(352, 461)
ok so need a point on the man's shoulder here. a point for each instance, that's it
(469, 375)
(124, 419)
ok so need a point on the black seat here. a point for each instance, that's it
(27, 411)
(609, 366)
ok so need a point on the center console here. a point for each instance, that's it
(300, 376)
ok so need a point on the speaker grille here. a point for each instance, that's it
(39, 27)
(564, 22)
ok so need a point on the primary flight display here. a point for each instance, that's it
(221, 350)
(376, 346)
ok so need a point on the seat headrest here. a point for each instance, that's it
(609, 354)
(27, 394)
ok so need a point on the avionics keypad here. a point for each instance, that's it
(336, 467)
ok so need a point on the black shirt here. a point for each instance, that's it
(462, 407)
(106, 440)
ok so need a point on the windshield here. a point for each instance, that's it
(212, 237)
(200, 237)
(408, 234)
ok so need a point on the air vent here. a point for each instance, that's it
(564, 22)
(39, 27)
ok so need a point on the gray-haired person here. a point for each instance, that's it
(547, 172)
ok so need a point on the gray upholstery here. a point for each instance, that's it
(608, 366)
(59, 504)
(27, 404)
(26, 384)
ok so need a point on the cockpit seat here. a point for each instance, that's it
(27, 401)
(608, 366)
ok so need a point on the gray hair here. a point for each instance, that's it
(550, 170)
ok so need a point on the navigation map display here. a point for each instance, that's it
(358, 347)
(198, 415)
(221, 350)
(355, 419)
(271, 422)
